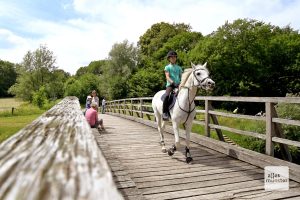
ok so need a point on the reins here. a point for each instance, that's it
(190, 104)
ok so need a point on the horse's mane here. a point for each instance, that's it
(187, 72)
(185, 76)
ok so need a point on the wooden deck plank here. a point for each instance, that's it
(293, 192)
(202, 191)
(123, 181)
(243, 193)
(198, 179)
(196, 185)
(175, 167)
(134, 153)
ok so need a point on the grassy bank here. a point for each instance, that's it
(11, 125)
(24, 113)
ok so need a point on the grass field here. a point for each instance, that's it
(11, 125)
(23, 115)
(8, 103)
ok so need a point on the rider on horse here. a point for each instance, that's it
(173, 75)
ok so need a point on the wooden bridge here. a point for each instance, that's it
(59, 157)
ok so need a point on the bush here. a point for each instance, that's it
(40, 97)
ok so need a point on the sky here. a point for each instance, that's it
(81, 31)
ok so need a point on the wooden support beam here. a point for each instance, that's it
(215, 121)
(270, 129)
(284, 149)
(207, 118)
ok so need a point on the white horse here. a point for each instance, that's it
(183, 110)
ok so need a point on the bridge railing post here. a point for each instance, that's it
(270, 128)
(115, 107)
(141, 108)
(131, 107)
(124, 107)
(207, 117)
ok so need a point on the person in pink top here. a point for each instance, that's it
(91, 116)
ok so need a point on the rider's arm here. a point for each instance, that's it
(168, 77)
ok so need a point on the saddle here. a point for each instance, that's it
(172, 99)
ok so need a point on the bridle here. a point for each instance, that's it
(200, 83)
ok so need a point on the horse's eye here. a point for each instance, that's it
(198, 74)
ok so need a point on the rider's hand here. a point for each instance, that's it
(174, 85)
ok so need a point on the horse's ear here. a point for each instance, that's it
(205, 64)
(193, 65)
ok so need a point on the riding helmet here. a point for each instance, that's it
(171, 53)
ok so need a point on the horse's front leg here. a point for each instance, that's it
(188, 155)
(172, 150)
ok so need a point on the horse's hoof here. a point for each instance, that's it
(170, 152)
(164, 150)
(189, 159)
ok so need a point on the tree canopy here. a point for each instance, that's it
(8, 77)
(38, 70)
(246, 58)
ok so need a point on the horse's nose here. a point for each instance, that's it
(211, 83)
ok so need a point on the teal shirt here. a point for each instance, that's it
(175, 72)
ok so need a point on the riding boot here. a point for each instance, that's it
(165, 115)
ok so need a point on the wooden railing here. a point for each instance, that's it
(55, 157)
(141, 107)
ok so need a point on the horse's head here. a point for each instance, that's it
(201, 77)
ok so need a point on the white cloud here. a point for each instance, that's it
(99, 24)
(13, 47)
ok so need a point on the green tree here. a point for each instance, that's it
(182, 43)
(122, 63)
(95, 67)
(55, 87)
(37, 70)
(249, 57)
(8, 77)
(82, 87)
(40, 63)
(40, 97)
(151, 42)
(284, 65)
(25, 85)
(153, 47)
(145, 83)
(158, 35)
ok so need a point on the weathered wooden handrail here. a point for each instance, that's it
(272, 121)
(55, 157)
